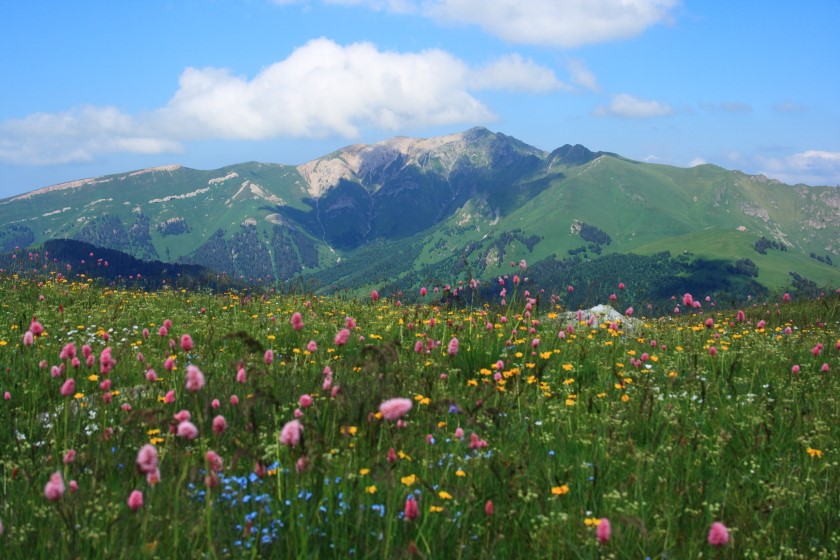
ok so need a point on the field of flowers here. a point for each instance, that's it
(173, 424)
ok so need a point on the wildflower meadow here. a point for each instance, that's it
(185, 424)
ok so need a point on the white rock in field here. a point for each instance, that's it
(600, 314)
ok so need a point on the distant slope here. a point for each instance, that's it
(405, 209)
(77, 259)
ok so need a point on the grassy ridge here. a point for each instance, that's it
(475, 187)
(522, 435)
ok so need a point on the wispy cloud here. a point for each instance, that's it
(515, 73)
(556, 23)
(812, 167)
(581, 75)
(78, 134)
(321, 89)
(630, 106)
(727, 107)
(789, 106)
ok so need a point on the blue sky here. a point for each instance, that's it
(100, 86)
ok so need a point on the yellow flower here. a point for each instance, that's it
(569, 381)
(370, 489)
(363, 472)
(409, 480)
(815, 453)
(444, 495)
(459, 472)
(79, 396)
(560, 490)
(568, 367)
(625, 397)
(435, 509)
(591, 521)
(156, 440)
(93, 377)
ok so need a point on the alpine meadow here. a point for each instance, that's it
(251, 422)
(420, 280)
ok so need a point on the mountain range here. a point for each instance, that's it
(407, 211)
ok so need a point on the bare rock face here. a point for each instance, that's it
(373, 164)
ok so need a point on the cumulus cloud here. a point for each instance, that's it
(629, 106)
(556, 23)
(812, 167)
(321, 89)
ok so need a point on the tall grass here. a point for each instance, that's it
(642, 423)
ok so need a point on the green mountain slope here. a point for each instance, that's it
(405, 211)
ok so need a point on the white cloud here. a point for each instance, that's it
(789, 106)
(321, 89)
(581, 75)
(727, 107)
(556, 23)
(325, 89)
(812, 167)
(697, 161)
(79, 134)
(626, 105)
(515, 73)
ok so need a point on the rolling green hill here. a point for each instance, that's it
(405, 211)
